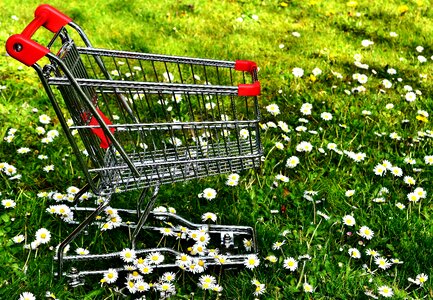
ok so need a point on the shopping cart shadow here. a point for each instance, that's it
(141, 121)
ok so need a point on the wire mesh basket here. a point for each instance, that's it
(144, 119)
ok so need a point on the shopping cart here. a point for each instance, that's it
(145, 120)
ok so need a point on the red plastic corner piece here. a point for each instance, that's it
(249, 89)
(245, 66)
(99, 132)
(54, 19)
(25, 50)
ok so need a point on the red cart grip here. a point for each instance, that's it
(23, 48)
(245, 66)
(248, 89)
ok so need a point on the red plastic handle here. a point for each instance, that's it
(23, 48)
(248, 89)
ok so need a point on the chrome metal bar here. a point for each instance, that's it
(143, 217)
(157, 57)
(76, 232)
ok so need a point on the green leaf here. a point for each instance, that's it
(5, 218)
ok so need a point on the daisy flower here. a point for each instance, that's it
(362, 78)
(409, 180)
(396, 261)
(168, 276)
(110, 276)
(141, 286)
(382, 263)
(44, 119)
(308, 288)
(23, 150)
(290, 263)
(72, 190)
(248, 244)
(332, 146)
(279, 145)
(127, 255)
(208, 193)
(166, 287)
(394, 136)
(385, 291)
(304, 147)
(155, 258)
(282, 178)
(316, 71)
(301, 129)
(251, 261)
(354, 253)
(18, 239)
(366, 232)
(413, 197)
(244, 133)
(421, 278)
(277, 245)
(379, 169)
(386, 83)
(306, 108)
(27, 296)
(366, 43)
(43, 236)
(209, 279)
(81, 251)
(11, 170)
(428, 159)
(285, 128)
(420, 192)
(410, 96)
(260, 289)
(231, 182)
(271, 258)
(273, 109)
(203, 238)
(209, 216)
(48, 168)
(130, 285)
(349, 193)
(326, 116)
(52, 134)
(292, 162)
(349, 220)
(234, 176)
(8, 203)
(396, 171)
(400, 205)
(167, 231)
(422, 59)
(298, 72)
(371, 252)
(146, 269)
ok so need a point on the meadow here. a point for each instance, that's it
(342, 202)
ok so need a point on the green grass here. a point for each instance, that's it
(331, 34)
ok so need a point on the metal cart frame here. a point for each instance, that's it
(142, 126)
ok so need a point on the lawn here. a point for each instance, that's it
(341, 203)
